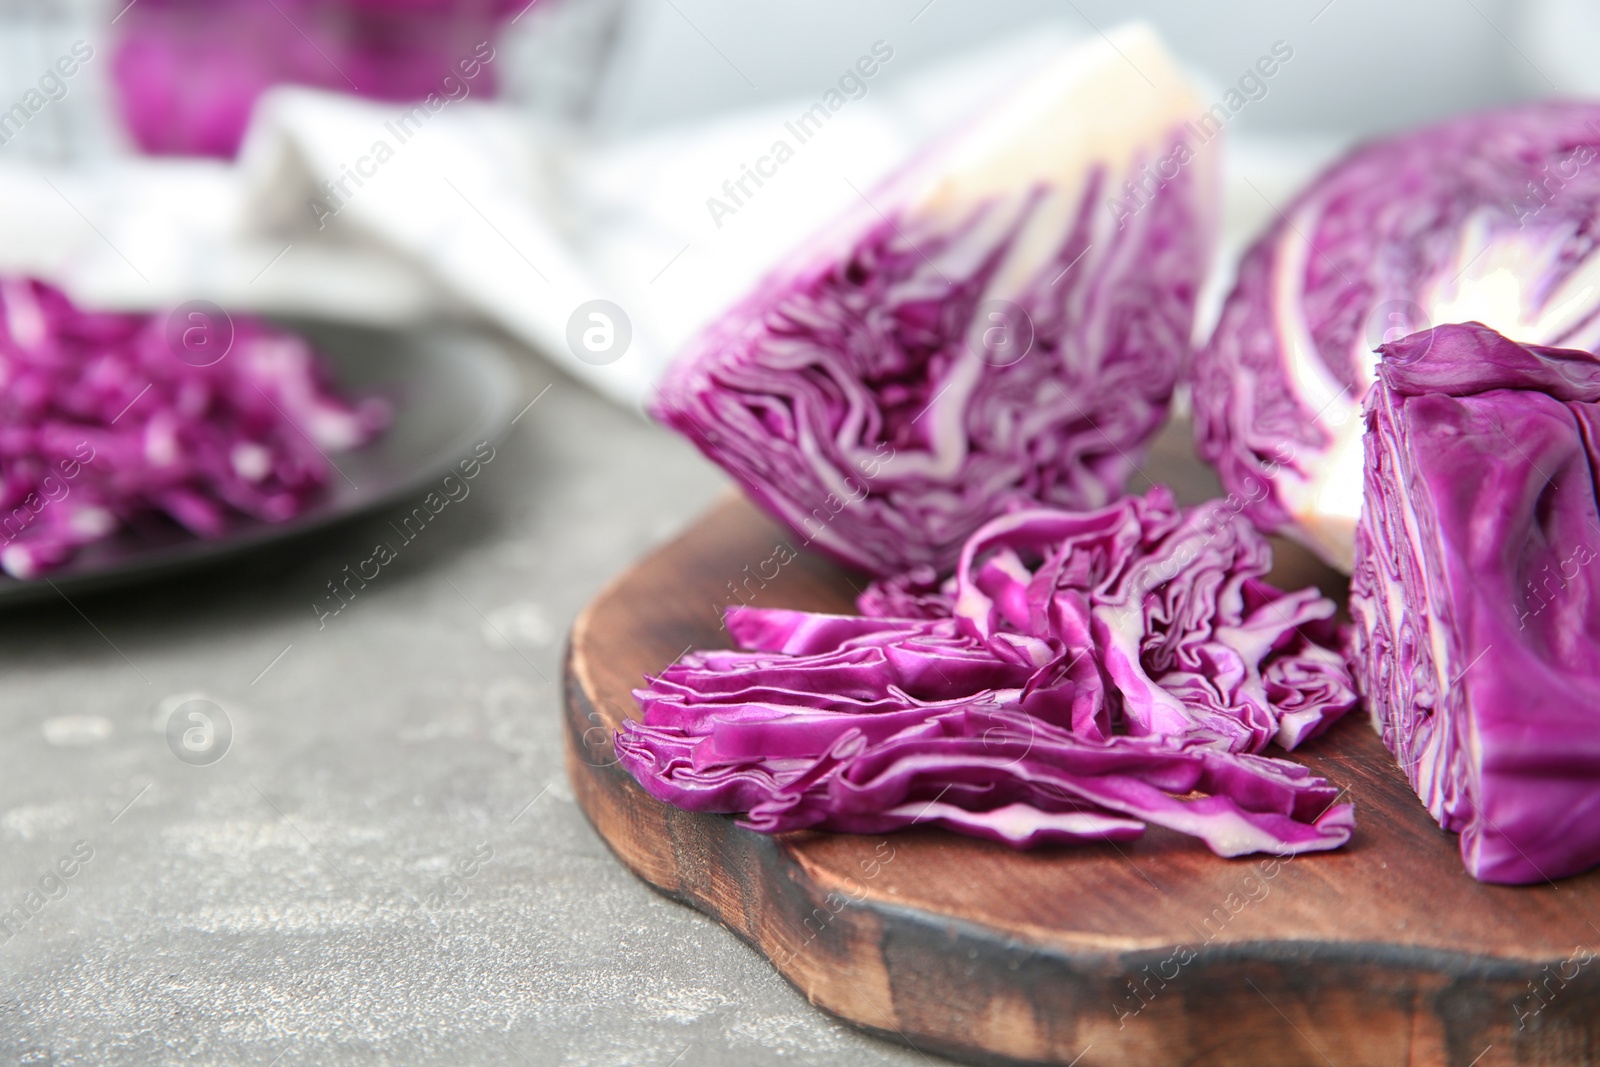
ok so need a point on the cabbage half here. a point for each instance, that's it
(1475, 595)
(1081, 675)
(1491, 218)
(1002, 323)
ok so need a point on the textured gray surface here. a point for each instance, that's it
(265, 909)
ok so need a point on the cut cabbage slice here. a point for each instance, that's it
(1001, 323)
(1476, 604)
(1489, 218)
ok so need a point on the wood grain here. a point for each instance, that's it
(1146, 953)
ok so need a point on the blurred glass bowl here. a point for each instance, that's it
(188, 72)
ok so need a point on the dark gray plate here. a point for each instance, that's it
(450, 389)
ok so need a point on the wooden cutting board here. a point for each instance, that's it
(1147, 953)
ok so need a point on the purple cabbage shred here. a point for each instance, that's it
(1080, 676)
(102, 425)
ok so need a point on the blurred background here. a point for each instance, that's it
(167, 167)
(1362, 66)
(1366, 66)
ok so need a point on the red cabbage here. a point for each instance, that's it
(188, 72)
(1000, 325)
(1477, 616)
(102, 422)
(1486, 218)
(1079, 676)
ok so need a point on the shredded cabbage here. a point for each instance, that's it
(1080, 675)
(103, 425)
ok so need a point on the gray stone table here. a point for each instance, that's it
(387, 865)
